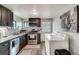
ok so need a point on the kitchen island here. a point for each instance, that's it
(56, 41)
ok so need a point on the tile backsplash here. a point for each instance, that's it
(6, 31)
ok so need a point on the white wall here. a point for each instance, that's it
(57, 20)
(74, 41)
(16, 18)
(56, 24)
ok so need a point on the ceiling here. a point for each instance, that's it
(43, 10)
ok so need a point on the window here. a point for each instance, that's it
(25, 24)
(46, 25)
(14, 24)
(19, 25)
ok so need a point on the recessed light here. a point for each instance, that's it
(34, 13)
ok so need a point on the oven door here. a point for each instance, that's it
(32, 39)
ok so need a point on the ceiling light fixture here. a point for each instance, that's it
(34, 12)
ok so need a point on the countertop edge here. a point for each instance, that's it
(11, 37)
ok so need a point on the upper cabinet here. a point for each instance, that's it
(10, 18)
(6, 17)
(0, 16)
(34, 22)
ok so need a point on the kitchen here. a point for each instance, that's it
(39, 29)
(16, 34)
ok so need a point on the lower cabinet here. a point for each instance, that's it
(23, 41)
(5, 48)
(38, 39)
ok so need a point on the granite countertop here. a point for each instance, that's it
(4, 39)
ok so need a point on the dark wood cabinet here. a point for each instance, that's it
(38, 39)
(10, 18)
(6, 16)
(34, 22)
(23, 41)
(5, 48)
(0, 16)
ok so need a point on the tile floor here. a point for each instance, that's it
(33, 50)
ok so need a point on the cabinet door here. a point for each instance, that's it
(10, 18)
(4, 16)
(23, 41)
(26, 39)
(0, 17)
(34, 22)
(38, 41)
(20, 43)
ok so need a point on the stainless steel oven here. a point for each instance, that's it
(32, 38)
